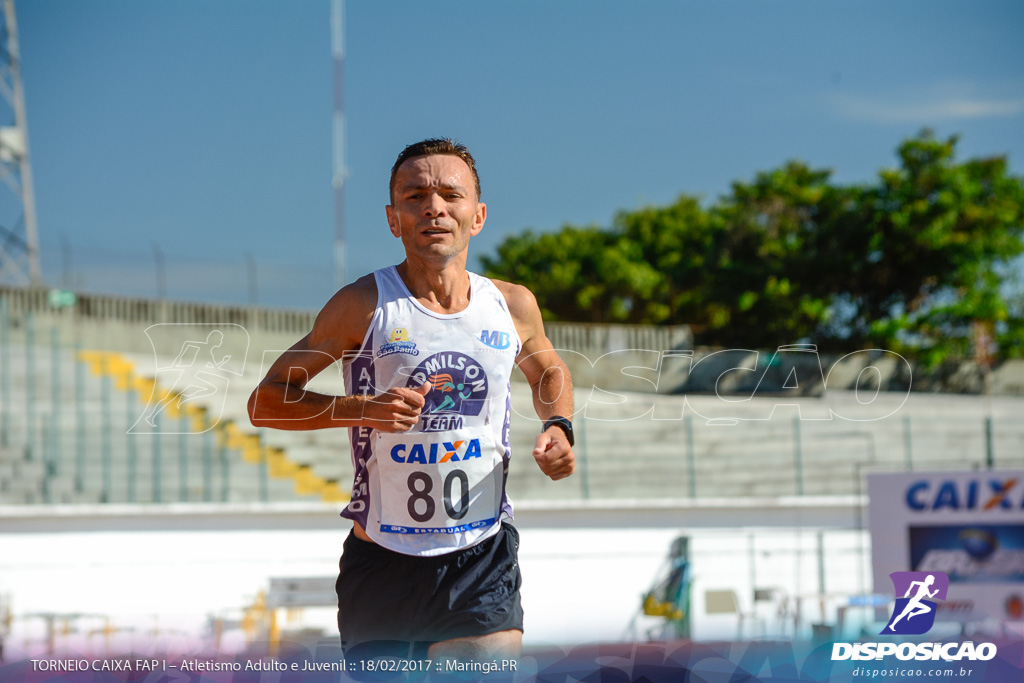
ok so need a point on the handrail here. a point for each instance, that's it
(146, 311)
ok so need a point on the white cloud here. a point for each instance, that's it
(925, 106)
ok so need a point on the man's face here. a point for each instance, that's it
(435, 210)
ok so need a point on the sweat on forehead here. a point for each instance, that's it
(433, 147)
(424, 173)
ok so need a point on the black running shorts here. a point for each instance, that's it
(388, 596)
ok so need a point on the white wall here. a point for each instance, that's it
(580, 584)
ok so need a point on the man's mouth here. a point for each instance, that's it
(436, 231)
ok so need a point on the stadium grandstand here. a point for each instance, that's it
(127, 416)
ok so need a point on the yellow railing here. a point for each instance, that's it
(230, 435)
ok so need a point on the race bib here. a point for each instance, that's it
(438, 482)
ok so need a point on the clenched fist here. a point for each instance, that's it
(396, 410)
(553, 453)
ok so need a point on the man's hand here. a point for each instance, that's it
(396, 410)
(553, 453)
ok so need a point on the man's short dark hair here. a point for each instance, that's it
(431, 147)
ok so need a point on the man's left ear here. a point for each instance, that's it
(479, 218)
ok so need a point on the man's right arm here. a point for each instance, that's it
(281, 400)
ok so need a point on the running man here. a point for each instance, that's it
(190, 375)
(427, 352)
(915, 607)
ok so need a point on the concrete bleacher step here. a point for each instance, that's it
(14, 487)
(27, 469)
(170, 492)
(89, 424)
(617, 458)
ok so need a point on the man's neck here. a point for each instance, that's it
(442, 289)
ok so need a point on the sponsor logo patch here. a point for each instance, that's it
(458, 386)
(496, 339)
(399, 341)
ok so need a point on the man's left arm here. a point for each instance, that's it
(549, 380)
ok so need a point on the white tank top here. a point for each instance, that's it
(441, 486)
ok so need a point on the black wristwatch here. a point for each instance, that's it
(562, 423)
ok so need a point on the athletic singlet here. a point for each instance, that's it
(441, 486)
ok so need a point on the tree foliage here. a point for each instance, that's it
(913, 261)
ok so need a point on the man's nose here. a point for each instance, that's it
(435, 206)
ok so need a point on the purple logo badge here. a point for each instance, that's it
(914, 613)
(458, 384)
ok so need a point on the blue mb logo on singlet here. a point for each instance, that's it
(496, 339)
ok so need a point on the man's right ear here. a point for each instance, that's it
(392, 222)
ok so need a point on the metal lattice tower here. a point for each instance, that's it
(19, 242)
(338, 51)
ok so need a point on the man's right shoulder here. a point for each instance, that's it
(346, 316)
(362, 293)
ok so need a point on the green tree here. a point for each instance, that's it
(679, 242)
(580, 274)
(937, 237)
(911, 262)
(773, 262)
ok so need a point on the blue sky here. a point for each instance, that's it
(204, 128)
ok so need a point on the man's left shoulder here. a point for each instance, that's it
(520, 300)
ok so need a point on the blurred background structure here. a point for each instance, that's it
(727, 423)
(19, 253)
(150, 449)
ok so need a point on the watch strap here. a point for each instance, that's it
(563, 423)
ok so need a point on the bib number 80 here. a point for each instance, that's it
(420, 486)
